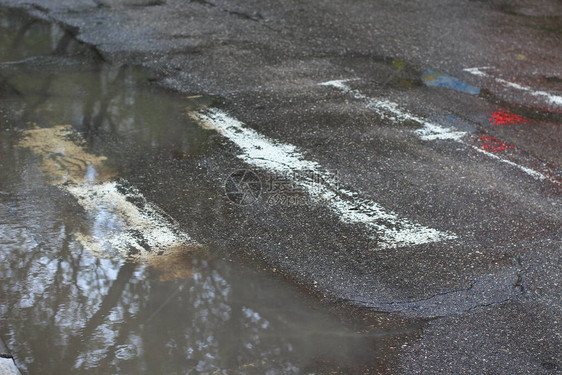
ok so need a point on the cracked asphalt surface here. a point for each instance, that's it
(492, 295)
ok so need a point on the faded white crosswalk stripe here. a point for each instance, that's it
(386, 109)
(123, 222)
(429, 131)
(350, 207)
(551, 98)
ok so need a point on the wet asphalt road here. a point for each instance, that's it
(494, 289)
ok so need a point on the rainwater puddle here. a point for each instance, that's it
(94, 278)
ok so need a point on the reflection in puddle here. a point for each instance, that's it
(69, 301)
(64, 160)
(122, 219)
(137, 232)
(436, 79)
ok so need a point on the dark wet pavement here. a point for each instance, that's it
(389, 133)
(67, 309)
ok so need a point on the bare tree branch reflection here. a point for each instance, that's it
(77, 343)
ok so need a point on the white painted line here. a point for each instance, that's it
(281, 158)
(136, 230)
(478, 71)
(553, 99)
(429, 131)
(123, 220)
(386, 109)
(531, 172)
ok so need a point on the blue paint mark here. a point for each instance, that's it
(454, 122)
(433, 78)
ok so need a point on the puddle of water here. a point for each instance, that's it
(72, 299)
(433, 78)
(385, 73)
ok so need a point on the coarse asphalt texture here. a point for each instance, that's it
(491, 290)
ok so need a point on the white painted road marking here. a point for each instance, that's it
(386, 109)
(136, 230)
(429, 131)
(531, 172)
(281, 159)
(553, 99)
(478, 71)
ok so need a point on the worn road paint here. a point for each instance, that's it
(478, 71)
(137, 230)
(386, 109)
(492, 144)
(123, 220)
(433, 78)
(429, 131)
(280, 158)
(531, 172)
(63, 155)
(553, 99)
(506, 118)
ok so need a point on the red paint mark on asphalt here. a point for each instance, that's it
(506, 118)
(492, 144)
